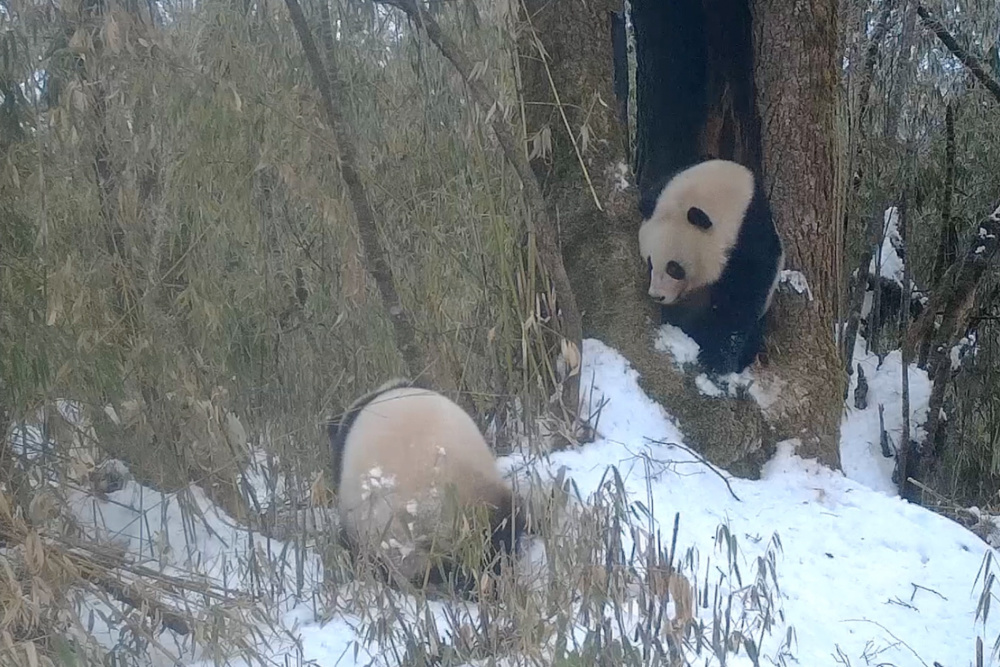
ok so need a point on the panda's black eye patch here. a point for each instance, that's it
(675, 270)
(649, 264)
(699, 218)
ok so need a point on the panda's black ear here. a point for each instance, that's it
(699, 218)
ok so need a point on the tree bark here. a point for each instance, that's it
(947, 250)
(797, 72)
(600, 246)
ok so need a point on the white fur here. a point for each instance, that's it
(723, 190)
(408, 450)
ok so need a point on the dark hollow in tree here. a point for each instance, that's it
(695, 99)
(695, 95)
(754, 81)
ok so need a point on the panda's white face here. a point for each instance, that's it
(667, 281)
(673, 253)
(686, 241)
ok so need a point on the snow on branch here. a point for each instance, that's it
(935, 339)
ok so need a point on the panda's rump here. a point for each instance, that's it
(409, 464)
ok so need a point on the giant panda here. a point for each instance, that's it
(410, 467)
(713, 256)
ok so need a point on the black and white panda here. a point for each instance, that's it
(714, 258)
(411, 468)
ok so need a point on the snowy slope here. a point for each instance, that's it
(860, 448)
(863, 574)
(852, 555)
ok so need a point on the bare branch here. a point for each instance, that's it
(948, 243)
(905, 446)
(967, 59)
(329, 90)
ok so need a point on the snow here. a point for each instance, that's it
(683, 351)
(859, 567)
(966, 346)
(796, 280)
(707, 387)
(619, 173)
(860, 449)
(891, 263)
(862, 573)
(682, 347)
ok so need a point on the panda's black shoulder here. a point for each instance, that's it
(648, 194)
(338, 427)
(752, 263)
(758, 231)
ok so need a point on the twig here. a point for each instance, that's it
(701, 459)
(967, 59)
(888, 632)
(918, 587)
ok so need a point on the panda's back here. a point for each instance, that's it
(407, 450)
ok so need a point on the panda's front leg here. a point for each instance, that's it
(688, 311)
(722, 351)
(729, 338)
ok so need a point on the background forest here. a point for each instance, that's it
(203, 254)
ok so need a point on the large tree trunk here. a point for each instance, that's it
(600, 246)
(796, 70)
(684, 114)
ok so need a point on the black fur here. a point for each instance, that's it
(728, 321)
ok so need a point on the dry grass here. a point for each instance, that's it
(610, 590)
(594, 600)
(203, 300)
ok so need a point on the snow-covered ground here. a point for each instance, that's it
(865, 578)
(860, 438)
(861, 570)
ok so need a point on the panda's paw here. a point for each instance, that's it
(715, 364)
